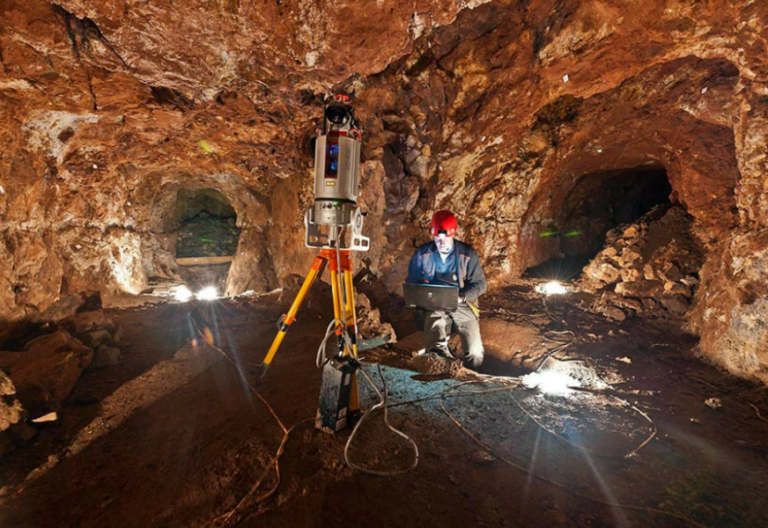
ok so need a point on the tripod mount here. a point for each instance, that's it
(334, 224)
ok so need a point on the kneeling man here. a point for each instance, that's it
(448, 261)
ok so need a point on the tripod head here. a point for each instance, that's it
(337, 181)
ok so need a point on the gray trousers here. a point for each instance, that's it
(439, 325)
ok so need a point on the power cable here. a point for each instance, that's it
(225, 518)
(382, 403)
(330, 331)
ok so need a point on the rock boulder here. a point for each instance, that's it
(47, 370)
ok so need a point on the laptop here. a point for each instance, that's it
(431, 296)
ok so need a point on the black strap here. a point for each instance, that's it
(458, 266)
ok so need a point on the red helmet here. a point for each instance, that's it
(444, 222)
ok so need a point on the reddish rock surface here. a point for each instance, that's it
(494, 109)
(11, 411)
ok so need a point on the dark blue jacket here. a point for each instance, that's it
(471, 278)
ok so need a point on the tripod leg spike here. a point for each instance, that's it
(261, 373)
(317, 268)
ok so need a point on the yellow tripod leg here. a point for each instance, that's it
(354, 400)
(336, 296)
(287, 319)
(351, 321)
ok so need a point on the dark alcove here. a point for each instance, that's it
(207, 224)
(597, 203)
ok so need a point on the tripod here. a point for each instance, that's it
(345, 319)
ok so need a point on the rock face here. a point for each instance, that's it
(731, 310)
(498, 110)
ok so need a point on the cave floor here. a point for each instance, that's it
(173, 437)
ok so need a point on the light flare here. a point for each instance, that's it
(551, 382)
(209, 293)
(182, 293)
(551, 288)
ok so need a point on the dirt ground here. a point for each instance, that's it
(172, 436)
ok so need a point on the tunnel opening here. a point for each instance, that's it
(207, 237)
(596, 204)
(207, 224)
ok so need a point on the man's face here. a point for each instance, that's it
(444, 244)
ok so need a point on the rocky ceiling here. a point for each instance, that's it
(493, 109)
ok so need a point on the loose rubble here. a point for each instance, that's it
(11, 411)
(36, 378)
(370, 326)
(648, 267)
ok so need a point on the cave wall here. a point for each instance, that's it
(493, 109)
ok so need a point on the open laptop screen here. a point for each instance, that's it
(431, 296)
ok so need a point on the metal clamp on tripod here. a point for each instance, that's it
(334, 225)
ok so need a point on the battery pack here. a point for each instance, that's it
(335, 394)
